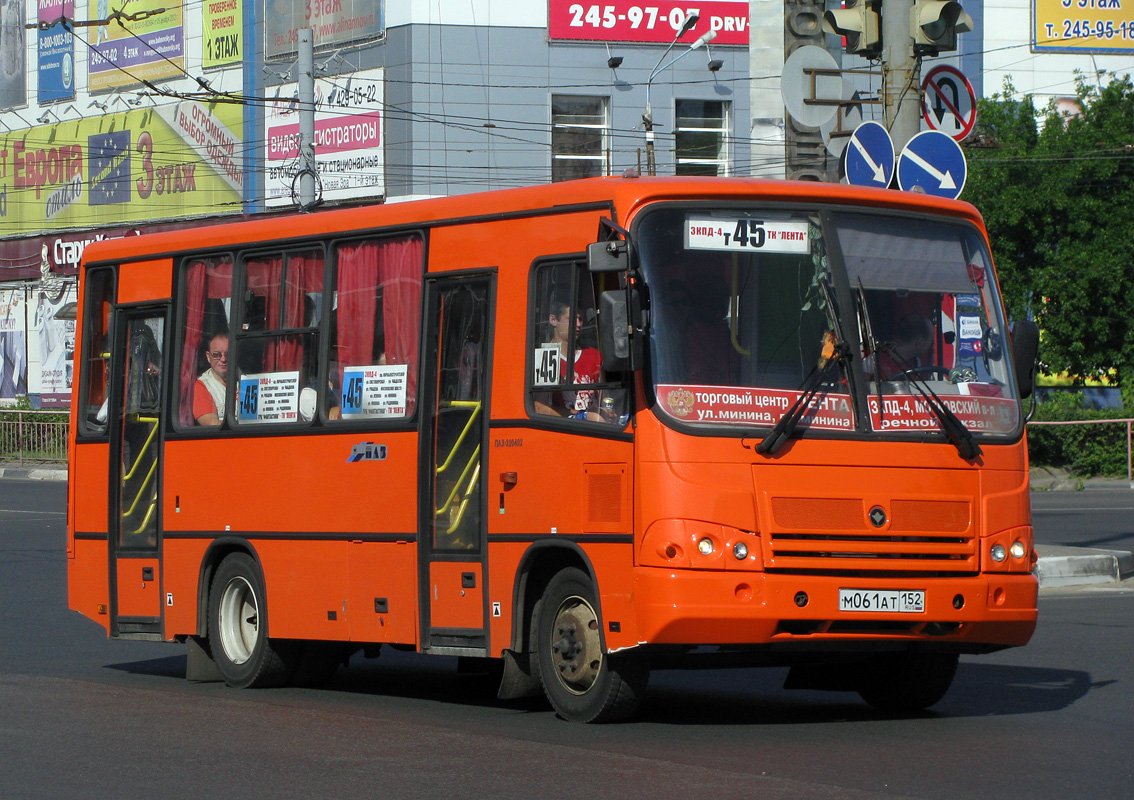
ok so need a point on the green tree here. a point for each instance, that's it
(1056, 194)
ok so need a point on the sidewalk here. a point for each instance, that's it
(1054, 479)
(1057, 566)
(34, 472)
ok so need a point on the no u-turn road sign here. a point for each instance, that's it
(948, 102)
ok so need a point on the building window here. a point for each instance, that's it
(701, 137)
(578, 137)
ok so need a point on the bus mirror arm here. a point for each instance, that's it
(611, 253)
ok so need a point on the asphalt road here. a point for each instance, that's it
(1095, 517)
(84, 717)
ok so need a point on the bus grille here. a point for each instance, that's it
(834, 537)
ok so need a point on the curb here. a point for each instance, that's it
(34, 473)
(1081, 566)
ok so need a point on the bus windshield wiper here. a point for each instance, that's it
(871, 343)
(834, 353)
(955, 430)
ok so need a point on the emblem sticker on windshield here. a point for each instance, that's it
(747, 235)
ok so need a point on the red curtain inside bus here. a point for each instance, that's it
(266, 278)
(395, 265)
(205, 279)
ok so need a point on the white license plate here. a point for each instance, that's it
(882, 600)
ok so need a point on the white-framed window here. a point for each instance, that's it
(701, 137)
(578, 136)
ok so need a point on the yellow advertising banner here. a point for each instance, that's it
(223, 33)
(179, 160)
(1101, 27)
(150, 48)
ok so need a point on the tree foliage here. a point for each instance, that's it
(1057, 193)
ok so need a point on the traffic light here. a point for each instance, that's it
(859, 24)
(934, 25)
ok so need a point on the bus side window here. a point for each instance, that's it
(567, 376)
(96, 345)
(375, 329)
(277, 340)
(207, 290)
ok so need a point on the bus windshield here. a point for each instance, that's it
(744, 310)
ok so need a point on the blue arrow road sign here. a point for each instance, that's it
(934, 162)
(870, 156)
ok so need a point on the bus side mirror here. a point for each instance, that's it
(608, 256)
(620, 331)
(1025, 349)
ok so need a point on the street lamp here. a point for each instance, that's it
(648, 117)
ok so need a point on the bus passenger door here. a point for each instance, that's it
(451, 567)
(135, 455)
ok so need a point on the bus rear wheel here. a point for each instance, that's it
(908, 682)
(582, 683)
(238, 628)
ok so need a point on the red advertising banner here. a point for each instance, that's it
(647, 22)
(979, 414)
(740, 405)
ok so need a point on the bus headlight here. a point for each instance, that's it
(1017, 550)
(705, 546)
(998, 553)
(740, 550)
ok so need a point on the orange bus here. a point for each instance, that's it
(574, 432)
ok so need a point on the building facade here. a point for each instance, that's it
(122, 118)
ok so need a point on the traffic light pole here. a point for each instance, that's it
(901, 79)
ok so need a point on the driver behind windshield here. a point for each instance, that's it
(913, 340)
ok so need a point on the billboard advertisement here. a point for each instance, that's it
(332, 23)
(223, 26)
(13, 344)
(13, 55)
(1097, 27)
(56, 46)
(150, 48)
(654, 23)
(56, 342)
(178, 160)
(348, 138)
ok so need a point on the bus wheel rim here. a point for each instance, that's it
(239, 620)
(576, 648)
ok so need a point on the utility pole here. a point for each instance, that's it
(901, 74)
(307, 171)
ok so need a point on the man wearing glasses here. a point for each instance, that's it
(209, 391)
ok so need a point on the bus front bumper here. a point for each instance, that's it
(699, 607)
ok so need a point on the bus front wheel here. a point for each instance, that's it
(238, 628)
(582, 683)
(909, 682)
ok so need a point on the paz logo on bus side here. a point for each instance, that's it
(367, 451)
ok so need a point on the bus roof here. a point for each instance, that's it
(625, 195)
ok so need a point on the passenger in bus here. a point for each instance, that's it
(913, 340)
(211, 387)
(588, 364)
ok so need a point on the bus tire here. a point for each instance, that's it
(238, 628)
(907, 682)
(582, 683)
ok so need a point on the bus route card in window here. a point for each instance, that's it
(747, 235)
